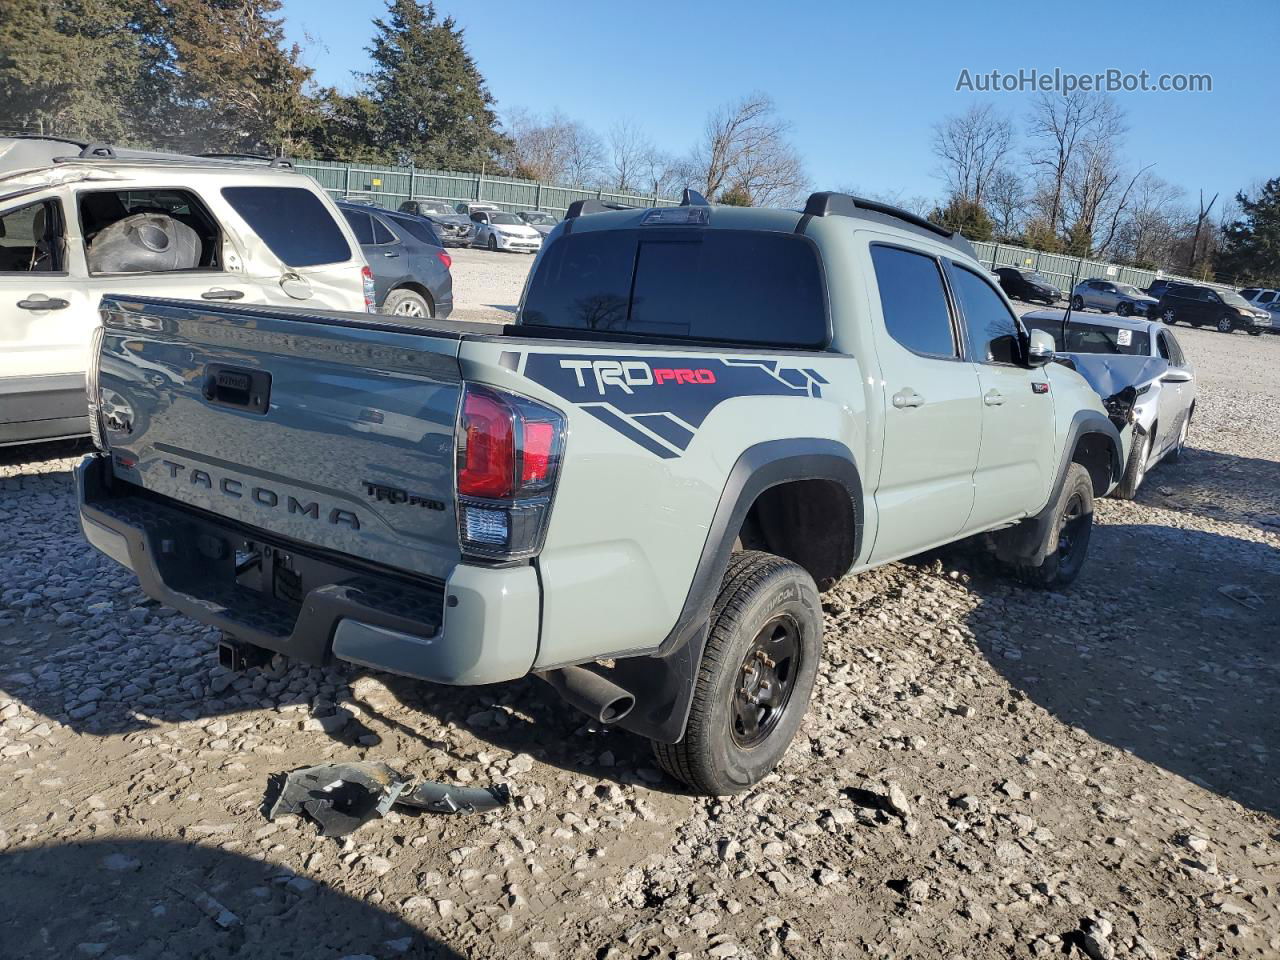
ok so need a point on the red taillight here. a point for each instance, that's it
(445, 259)
(508, 457)
(370, 291)
(538, 449)
(487, 457)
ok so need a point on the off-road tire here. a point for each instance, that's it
(758, 589)
(1055, 570)
(1135, 470)
(404, 302)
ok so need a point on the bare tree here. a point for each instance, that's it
(1152, 223)
(745, 147)
(1058, 126)
(554, 149)
(971, 147)
(630, 153)
(1006, 200)
(1201, 217)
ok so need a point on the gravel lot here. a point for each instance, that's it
(487, 286)
(986, 771)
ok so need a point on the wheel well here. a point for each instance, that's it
(809, 522)
(1094, 453)
(421, 291)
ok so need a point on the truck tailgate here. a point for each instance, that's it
(335, 430)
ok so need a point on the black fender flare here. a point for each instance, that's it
(663, 681)
(1025, 540)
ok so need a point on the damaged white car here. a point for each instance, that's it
(1145, 380)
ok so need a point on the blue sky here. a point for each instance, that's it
(861, 84)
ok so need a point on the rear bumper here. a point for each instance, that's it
(479, 626)
(42, 408)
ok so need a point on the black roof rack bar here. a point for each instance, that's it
(582, 207)
(826, 204)
(42, 136)
(692, 198)
(270, 161)
(97, 151)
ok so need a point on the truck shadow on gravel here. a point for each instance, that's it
(1146, 653)
(1218, 486)
(148, 898)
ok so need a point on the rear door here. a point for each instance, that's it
(336, 432)
(1015, 459)
(933, 413)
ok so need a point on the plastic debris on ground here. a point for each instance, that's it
(342, 797)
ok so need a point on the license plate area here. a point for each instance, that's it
(237, 387)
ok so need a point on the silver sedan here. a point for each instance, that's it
(1111, 297)
(1144, 379)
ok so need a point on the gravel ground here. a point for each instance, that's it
(487, 286)
(986, 771)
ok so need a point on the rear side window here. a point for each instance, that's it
(992, 329)
(913, 301)
(417, 228)
(361, 226)
(733, 286)
(292, 222)
(380, 232)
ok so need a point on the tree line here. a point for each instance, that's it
(218, 75)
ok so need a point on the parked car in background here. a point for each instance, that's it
(1136, 364)
(1264, 297)
(1020, 284)
(1157, 288)
(540, 220)
(468, 207)
(77, 222)
(497, 230)
(1111, 297)
(363, 199)
(1204, 306)
(451, 227)
(411, 275)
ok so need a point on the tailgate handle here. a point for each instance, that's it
(237, 387)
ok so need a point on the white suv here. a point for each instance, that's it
(78, 222)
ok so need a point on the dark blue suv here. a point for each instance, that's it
(410, 266)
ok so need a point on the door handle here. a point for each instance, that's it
(53, 303)
(391, 253)
(906, 397)
(222, 295)
(993, 398)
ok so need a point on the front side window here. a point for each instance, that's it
(992, 328)
(1267, 297)
(293, 222)
(31, 239)
(1176, 356)
(913, 301)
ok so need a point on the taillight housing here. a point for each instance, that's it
(370, 291)
(508, 459)
(98, 434)
(445, 259)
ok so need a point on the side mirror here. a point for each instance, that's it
(1040, 348)
(1175, 375)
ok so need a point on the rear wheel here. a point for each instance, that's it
(406, 303)
(1067, 535)
(1226, 324)
(755, 678)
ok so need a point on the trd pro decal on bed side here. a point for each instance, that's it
(660, 402)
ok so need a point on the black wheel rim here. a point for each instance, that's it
(1073, 534)
(765, 679)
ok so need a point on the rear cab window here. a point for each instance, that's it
(745, 287)
(293, 222)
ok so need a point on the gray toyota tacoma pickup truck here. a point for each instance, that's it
(702, 418)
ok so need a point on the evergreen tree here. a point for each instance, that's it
(67, 67)
(434, 106)
(735, 196)
(967, 217)
(1251, 245)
